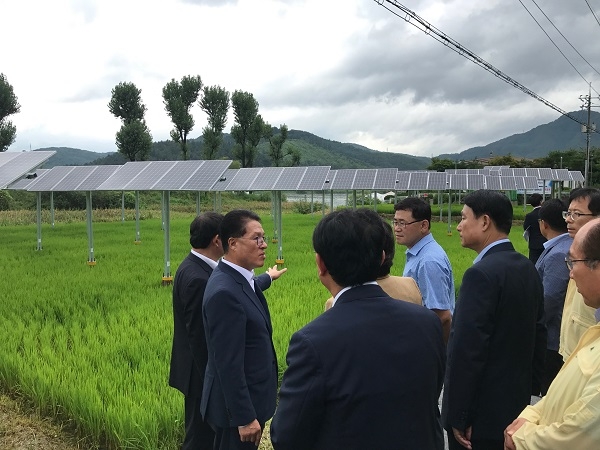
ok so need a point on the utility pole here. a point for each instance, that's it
(587, 129)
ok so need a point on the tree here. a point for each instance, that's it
(8, 106)
(178, 98)
(248, 128)
(134, 140)
(126, 103)
(441, 165)
(276, 152)
(215, 103)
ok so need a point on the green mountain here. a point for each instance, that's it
(66, 156)
(562, 134)
(314, 151)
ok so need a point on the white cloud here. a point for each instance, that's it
(346, 70)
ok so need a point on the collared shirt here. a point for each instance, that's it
(569, 415)
(247, 274)
(486, 249)
(211, 263)
(347, 288)
(576, 319)
(428, 264)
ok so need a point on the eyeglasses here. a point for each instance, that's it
(570, 262)
(402, 223)
(260, 240)
(574, 215)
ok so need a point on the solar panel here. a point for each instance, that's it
(475, 182)
(458, 182)
(178, 175)
(148, 176)
(290, 179)
(531, 183)
(15, 165)
(385, 179)
(73, 179)
(244, 179)
(403, 179)
(561, 175)
(207, 175)
(545, 174)
(532, 172)
(314, 178)
(224, 180)
(123, 176)
(365, 179)
(576, 175)
(493, 183)
(520, 182)
(506, 172)
(437, 181)
(23, 183)
(508, 183)
(519, 172)
(418, 181)
(50, 179)
(344, 179)
(97, 177)
(494, 173)
(267, 179)
(329, 180)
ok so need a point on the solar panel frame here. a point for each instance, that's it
(207, 175)
(329, 180)
(119, 180)
(314, 178)
(561, 175)
(576, 175)
(73, 179)
(493, 183)
(344, 179)
(224, 180)
(16, 165)
(459, 182)
(23, 183)
(364, 179)
(149, 176)
(402, 181)
(475, 182)
(98, 176)
(178, 175)
(267, 179)
(290, 178)
(244, 179)
(50, 179)
(438, 181)
(531, 183)
(545, 174)
(385, 179)
(508, 183)
(418, 181)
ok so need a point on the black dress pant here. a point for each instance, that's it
(198, 434)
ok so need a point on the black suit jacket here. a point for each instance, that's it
(497, 344)
(366, 374)
(536, 240)
(189, 354)
(241, 376)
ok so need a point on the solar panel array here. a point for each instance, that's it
(540, 173)
(15, 165)
(24, 183)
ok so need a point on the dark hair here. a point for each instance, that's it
(496, 205)
(593, 196)
(535, 199)
(419, 208)
(389, 247)
(551, 213)
(590, 246)
(234, 225)
(204, 228)
(350, 243)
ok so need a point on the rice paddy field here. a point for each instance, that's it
(90, 345)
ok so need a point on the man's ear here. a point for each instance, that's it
(322, 270)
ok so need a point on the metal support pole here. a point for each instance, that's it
(39, 221)
(167, 278)
(90, 232)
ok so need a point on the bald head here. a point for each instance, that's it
(585, 260)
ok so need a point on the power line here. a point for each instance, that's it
(421, 24)
(561, 52)
(593, 13)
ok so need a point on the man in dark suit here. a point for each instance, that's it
(240, 386)
(498, 339)
(189, 354)
(367, 373)
(535, 239)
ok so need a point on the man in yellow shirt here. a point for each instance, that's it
(577, 317)
(568, 417)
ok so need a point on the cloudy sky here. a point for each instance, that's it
(347, 70)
